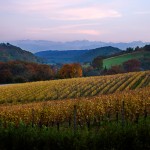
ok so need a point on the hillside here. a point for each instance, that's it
(73, 88)
(80, 56)
(103, 51)
(60, 56)
(9, 52)
(118, 60)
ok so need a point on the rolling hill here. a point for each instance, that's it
(9, 52)
(80, 56)
(73, 88)
(68, 56)
(103, 51)
(118, 60)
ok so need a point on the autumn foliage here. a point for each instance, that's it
(18, 71)
(132, 65)
(70, 71)
(115, 70)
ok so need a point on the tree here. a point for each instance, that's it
(70, 71)
(19, 71)
(145, 63)
(97, 63)
(115, 70)
(105, 70)
(6, 76)
(147, 47)
(132, 65)
(137, 48)
(87, 70)
(76, 70)
(129, 50)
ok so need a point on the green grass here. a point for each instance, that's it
(110, 137)
(118, 60)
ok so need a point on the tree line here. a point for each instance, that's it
(19, 72)
(96, 67)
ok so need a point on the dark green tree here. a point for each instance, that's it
(137, 48)
(130, 49)
(147, 47)
(97, 63)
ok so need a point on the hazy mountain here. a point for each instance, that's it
(41, 45)
(9, 52)
(76, 55)
(67, 56)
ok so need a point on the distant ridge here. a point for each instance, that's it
(76, 55)
(42, 45)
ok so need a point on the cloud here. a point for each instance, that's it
(68, 29)
(89, 13)
(85, 32)
(142, 12)
(62, 9)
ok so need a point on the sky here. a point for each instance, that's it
(68, 20)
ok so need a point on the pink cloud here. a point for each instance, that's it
(89, 13)
(60, 9)
(86, 32)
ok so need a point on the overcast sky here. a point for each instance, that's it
(66, 20)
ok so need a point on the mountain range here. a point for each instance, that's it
(43, 45)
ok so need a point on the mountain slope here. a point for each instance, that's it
(60, 56)
(76, 55)
(103, 51)
(9, 52)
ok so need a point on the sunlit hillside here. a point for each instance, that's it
(73, 88)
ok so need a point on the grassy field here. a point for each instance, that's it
(118, 60)
(73, 88)
(107, 137)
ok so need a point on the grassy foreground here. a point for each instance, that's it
(109, 137)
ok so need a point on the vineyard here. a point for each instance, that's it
(88, 110)
(73, 88)
(81, 113)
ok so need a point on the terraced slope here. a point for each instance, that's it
(73, 88)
